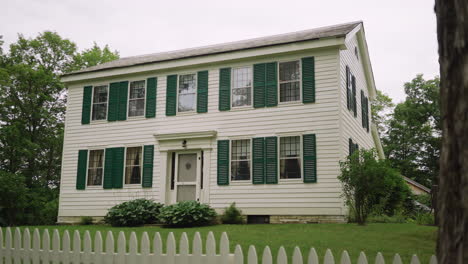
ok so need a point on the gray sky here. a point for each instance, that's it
(401, 34)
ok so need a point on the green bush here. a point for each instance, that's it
(187, 214)
(86, 220)
(13, 198)
(425, 199)
(425, 219)
(232, 215)
(134, 213)
(382, 218)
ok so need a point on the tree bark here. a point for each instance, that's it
(452, 204)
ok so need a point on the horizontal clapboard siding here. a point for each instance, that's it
(320, 118)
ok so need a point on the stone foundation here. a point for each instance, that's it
(305, 219)
(73, 220)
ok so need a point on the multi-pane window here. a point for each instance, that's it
(240, 160)
(187, 92)
(133, 165)
(290, 157)
(136, 99)
(99, 102)
(289, 80)
(95, 167)
(242, 86)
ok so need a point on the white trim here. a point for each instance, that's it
(250, 160)
(279, 82)
(144, 98)
(176, 175)
(185, 135)
(194, 111)
(127, 185)
(250, 106)
(92, 103)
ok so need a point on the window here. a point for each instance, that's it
(133, 165)
(99, 102)
(356, 52)
(241, 86)
(290, 157)
(136, 99)
(240, 160)
(289, 79)
(95, 167)
(187, 92)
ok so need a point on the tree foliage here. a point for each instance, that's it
(381, 108)
(32, 110)
(370, 184)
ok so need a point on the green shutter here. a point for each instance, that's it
(81, 171)
(171, 95)
(271, 84)
(148, 166)
(367, 114)
(353, 82)
(350, 147)
(308, 80)
(202, 92)
(123, 98)
(118, 167)
(310, 158)
(113, 108)
(108, 162)
(258, 159)
(223, 162)
(225, 89)
(363, 111)
(86, 107)
(271, 164)
(259, 85)
(151, 91)
(348, 89)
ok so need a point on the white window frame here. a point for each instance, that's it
(125, 166)
(300, 81)
(103, 169)
(251, 87)
(301, 157)
(107, 103)
(196, 93)
(230, 160)
(128, 99)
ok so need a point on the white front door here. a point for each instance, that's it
(187, 175)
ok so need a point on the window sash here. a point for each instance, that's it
(239, 161)
(282, 83)
(96, 102)
(95, 165)
(134, 108)
(297, 151)
(131, 168)
(242, 79)
(190, 92)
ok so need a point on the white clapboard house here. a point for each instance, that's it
(261, 122)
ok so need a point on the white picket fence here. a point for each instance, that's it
(18, 249)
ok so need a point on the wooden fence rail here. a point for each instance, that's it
(18, 248)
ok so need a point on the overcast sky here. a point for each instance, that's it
(401, 34)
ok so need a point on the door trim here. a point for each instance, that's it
(176, 175)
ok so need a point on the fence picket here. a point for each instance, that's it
(8, 246)
(397, 259)
(35, 255)
(87, 251)
(110, 248)
(415, 260)
(197, 248)
(313, 257)
(266, 257)
(66, 249)
(45, 246)
(224, 249)
(157, 248)
(97, 258)
(328, 259)
(238, 255)
(282, 258)
(362, 258)
(145, 249)
(210, 248)
(379, 259)
(170, 249)
(26, 245)
(2, 248)
(345, 259)
(433, 260)
(183, 249)
(55, 256)
(18, 247)
(297, 256)
(76, 257)
(252, 255)
(133, 249)
(121, 248)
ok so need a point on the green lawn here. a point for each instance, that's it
(405, 239)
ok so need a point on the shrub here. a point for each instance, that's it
(425, 219)
(232, 215)
(425, 199)
(370, 184)
(187, 214)
(86, 220)
(382, 218)
(13, 198)
(134, 213)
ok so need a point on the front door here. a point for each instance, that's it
(187, 176)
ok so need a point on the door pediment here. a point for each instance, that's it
(171, 141)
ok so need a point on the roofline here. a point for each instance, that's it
(366, 62)
(417, 184)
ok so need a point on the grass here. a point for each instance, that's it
(405, 239)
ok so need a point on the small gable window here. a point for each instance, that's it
(241, 86)
(240, 160)
(95, 167)
(136, 99)
(356, 52)
(187, 92)
(133, 165)
(99, 102)
(290, 157)
(289, 79)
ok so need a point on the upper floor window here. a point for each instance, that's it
(133, 165)
(187, 92)
(290, 157)
(136, 99)
(289, 80)
(95, 167)
(99, 102)
(240, 160)
(241, 86)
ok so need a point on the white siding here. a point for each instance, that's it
(286, 197)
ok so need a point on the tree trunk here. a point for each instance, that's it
(452, 204)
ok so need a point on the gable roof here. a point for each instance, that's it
(417, 184)
(339, 30)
